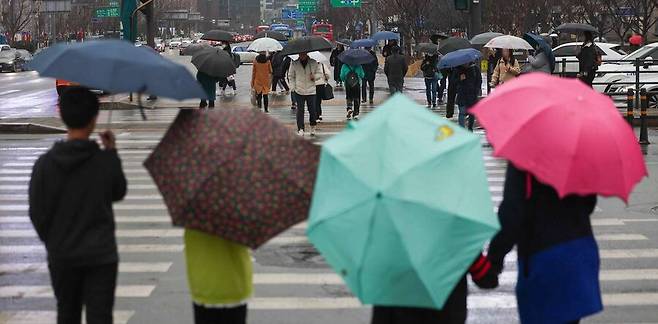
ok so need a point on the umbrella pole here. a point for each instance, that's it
(141, 107)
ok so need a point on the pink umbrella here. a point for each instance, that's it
(564, 133)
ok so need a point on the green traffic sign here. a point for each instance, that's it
(307, 6)
(346, 3)
(106, 12)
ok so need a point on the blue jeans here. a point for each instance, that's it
(431, 86)
(463, 113)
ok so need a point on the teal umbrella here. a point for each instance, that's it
(401, 205)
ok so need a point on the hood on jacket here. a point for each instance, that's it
(68, 155)
(261, 58)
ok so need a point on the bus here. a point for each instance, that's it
(323, 29)
(283, 29)
(262, 28)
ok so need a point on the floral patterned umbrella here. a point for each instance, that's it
(237, 174)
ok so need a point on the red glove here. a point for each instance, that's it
(483, 274)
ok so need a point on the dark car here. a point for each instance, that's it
(9, 61)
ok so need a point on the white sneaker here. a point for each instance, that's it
(300, 132)
(312, 130)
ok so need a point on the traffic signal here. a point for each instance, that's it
(461, 4)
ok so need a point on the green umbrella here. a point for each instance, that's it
(401, 205)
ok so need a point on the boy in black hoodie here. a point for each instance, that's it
(71, 192)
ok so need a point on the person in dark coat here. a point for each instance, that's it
(558, 258)
(208, 84)
(454, 310)
(388, 48)
(280, 66)
(588, 60)
(71, 192)
(469, 86)
(395, 69)
(369, 80)
(336, 63)
(431, 76)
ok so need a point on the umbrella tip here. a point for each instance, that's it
(379, 195)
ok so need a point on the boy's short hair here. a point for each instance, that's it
(78, 107)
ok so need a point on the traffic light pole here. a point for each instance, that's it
(476, 17)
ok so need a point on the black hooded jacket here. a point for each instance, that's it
(71, 192)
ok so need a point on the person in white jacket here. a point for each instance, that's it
(304, 75)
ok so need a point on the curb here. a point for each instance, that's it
(29, 128)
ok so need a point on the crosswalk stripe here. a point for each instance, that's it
(117, 219)
(25, 179)
(609, 254)
(23, 197)
(126, 267)
(505, 278)
(120, 206)
(10, 171)
(490, 301)
(131, 248)
(122, 291)
(131, 187)
(121, 233)
(41, 317)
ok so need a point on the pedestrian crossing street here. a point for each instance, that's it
(289, 275)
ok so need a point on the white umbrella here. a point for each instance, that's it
(510, 42)
(265, 44)
(314, 55)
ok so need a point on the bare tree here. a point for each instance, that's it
(412, 17)
(16, 15)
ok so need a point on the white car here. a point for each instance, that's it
(174, 44)
(569, 51)
(245, 56)
(648, 81)
(610, 73)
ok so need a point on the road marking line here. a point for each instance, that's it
(491, 301)
(122, 291)
(27, 179)
(132, 248)
(23, 197)
(607, 222)
(119, 206)
(126, 267)
(40, 317)
(121, 233)
(620, 237)
(117, 219)
(607, 254)
(8, 92)
(130, 187)
(29, 171)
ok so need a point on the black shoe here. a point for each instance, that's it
(203, 104)
(363, 101)
(371, 101)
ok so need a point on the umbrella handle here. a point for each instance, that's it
(141, 107)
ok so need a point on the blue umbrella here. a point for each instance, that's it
(538, 41)
(459, 57)
(366, 42)
(385, 35)
(117, 66)
(356, 57)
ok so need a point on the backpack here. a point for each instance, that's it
(352, 79)
(428, 69)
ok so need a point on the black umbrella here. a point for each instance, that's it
(218, 35)
(194, 48)
(452, 44)
(428, 48)
(356, 57)
(214, 61)
(272, 34)
(344, 42)
(306, 44)
(576, 28)
(484, 38)
(437, 37)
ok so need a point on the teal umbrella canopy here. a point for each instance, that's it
(401, 205)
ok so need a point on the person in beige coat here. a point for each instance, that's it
(507, 69)
(261, 80)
